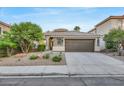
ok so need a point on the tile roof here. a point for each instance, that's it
(3, 23)
(68, 33)
(60, 30)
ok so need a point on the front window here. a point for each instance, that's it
(59, 41)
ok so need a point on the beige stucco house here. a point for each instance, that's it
(105, 26)
(71, 41)
(4, 27)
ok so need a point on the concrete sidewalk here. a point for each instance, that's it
(33, 70)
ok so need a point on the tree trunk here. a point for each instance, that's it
(119, 50)
(8, 51)
(11, 51)
(21, 47)
(25, 47)
(29, 46)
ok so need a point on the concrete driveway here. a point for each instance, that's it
(93, 64)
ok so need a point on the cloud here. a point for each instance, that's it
(52, 18)
(26, 15)
(38, 12)
(84, 9)
(48, 11)
(88, 10)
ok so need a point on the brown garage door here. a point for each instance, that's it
(79, 45)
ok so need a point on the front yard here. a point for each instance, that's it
(44, 58)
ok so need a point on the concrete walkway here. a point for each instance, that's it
(85, 64)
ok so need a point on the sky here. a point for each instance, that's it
(50, 18)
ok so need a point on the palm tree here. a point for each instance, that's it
(77, 28)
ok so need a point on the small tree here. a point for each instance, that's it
(77, 28)
(25, 33)
(114, 38)
(7, 43)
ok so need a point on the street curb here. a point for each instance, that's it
(58, 75)
(31, 74)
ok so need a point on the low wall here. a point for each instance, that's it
(58, 48)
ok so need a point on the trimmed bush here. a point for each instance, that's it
(41, 47)
(33, 57)
(46, 56)
(57, 58)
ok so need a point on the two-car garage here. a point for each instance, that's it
(79, 45)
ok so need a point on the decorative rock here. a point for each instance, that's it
(40, 56)
(21, 55)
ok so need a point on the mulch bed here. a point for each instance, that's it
(25, 61)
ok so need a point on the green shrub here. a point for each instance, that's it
(46, 56)
(57, 58)
(113, 38)
(33, 57)
(110, 45)
(41, 47)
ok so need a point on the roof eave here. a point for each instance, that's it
(5, 24)
(110, 17)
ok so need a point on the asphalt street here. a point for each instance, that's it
(62, 81)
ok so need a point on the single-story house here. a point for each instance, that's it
(71, 41)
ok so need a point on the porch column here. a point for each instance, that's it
(96, 45)
(47, 42)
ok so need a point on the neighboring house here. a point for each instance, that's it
(105, 26)
(4, 27)
(92, 30)
(71, 41)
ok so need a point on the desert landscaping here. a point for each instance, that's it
(33, 59)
